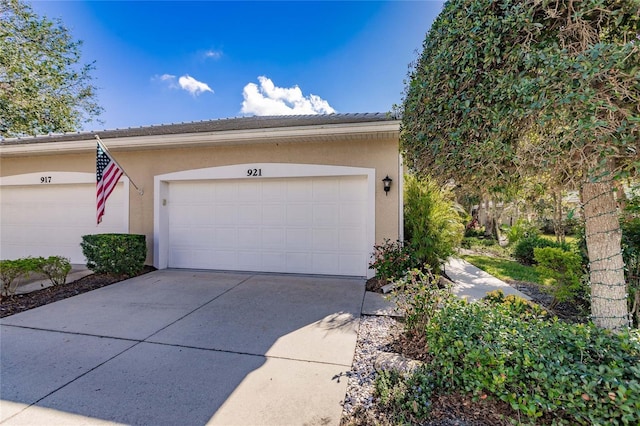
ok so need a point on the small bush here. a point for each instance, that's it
(474, 231)
(523, 250)
(115, 254)
(406, 398)
(392, 260)
(419, 296)
(11, 271)
(521, 229)
(519, 306)
(562, 273)
(56, 268)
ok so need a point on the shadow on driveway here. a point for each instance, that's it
(184, 347)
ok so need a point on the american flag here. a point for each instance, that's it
(107, 175)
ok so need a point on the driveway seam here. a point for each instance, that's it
(74, 379)
(137, 342)
(199, 307)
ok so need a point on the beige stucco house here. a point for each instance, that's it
(294, 194)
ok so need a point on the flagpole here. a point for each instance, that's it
(140, 191)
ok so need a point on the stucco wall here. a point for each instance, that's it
(143, 165)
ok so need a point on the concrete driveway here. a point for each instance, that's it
(184, 347)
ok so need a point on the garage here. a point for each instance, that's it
(319, 224)
(302, 194)
(46, 214)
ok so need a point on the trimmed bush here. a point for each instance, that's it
(115, 254)
(523, 250)
(568, 373)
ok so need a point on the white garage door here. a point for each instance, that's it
(49, 220)
(314, 225)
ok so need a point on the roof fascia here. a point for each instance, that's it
(325, 132)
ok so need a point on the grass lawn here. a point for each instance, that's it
(504, 269)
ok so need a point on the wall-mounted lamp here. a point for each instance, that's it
(387, 184)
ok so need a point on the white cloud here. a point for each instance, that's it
(168, 79)
(193, 86)
(213, 54)
(186, 82)
(267, 99)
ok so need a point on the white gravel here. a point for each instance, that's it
(374, 335)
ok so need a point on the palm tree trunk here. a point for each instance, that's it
(606, 268)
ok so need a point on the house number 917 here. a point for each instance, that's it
(45, 179)
(254, 172)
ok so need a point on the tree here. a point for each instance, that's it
(507, 89)
(43, 87)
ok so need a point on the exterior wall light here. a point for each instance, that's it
(387, 184)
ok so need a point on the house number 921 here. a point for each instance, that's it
(45, 179)
(254, 172)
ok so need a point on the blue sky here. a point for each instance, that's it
(164, 62)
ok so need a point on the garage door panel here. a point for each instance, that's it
(50, 220)
(224, 238)
(273, 192)
(324, 190)
(249, 214)
(226, 214)
(351, 240)
(298, 238)
(349, 264)
(273, 261)
(299, 214)
(273, 214)
(351, 190)
(273, 238)
(299, 190)
(326, 215)
(276, 225)
(325, 239)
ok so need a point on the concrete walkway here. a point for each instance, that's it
(184, 347)
(473, 283)
(469, 282)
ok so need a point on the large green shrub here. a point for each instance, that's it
(561, 272)
(523, 250)
(571, 374)
(434, 224)
(115, 254)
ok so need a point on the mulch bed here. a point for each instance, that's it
(23, 302)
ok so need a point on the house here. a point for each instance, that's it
(288, 194)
